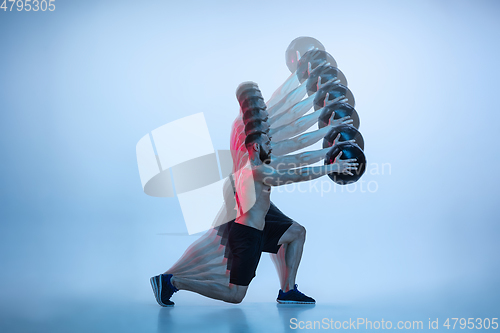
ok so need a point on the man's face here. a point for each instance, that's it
(265, 149)
(265, 127)
(263, 114)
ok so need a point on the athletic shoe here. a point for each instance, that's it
(163, 289)
(294, 296)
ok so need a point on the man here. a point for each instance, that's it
(290, 245)
(248, 236)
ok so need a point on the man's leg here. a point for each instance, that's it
(206, 257)
(279, 262)
(232, 293)
(288, 258)
(212, 279)
(286, 239)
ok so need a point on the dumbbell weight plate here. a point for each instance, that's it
(347, 132)
(327, 73)
(315, 57)
(334, 91)
(341, 110)
(349, 151)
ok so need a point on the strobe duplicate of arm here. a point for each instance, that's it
(273, 177)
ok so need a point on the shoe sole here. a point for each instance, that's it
(156, 291)
(294, 302)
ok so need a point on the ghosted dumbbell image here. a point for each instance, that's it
(297, 48)
(341, 110)
(331, 91)
(327, 73)
(318, 68)
(312, 59)
(342, 133)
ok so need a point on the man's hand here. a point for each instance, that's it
(346, 166)
(332, 80)
(340, 99)
(310, 70)
(336, 122)
(317, 68)
(338, 138)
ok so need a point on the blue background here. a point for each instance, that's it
(81, 85)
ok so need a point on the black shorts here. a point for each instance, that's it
(245, 244)
(276, 225)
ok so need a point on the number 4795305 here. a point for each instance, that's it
(29, 5)
(471, 323)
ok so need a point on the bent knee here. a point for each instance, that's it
(299, 230)
(236, 297)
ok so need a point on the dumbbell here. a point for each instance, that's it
(301, 45)
(349, 151)
(334, 90)
(315, 58)
(347, 133)
(341, 110)
(327, 72)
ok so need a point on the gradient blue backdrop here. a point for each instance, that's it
(81, 85)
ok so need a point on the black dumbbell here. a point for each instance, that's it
(302, 45)
(349, 151)
(327, 72)
(341, 110)
(334, 90)
(316, 58)
(347, 133)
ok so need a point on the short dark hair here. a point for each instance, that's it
(246, 90)
(252, 114)
(253, 102)
(254, 125)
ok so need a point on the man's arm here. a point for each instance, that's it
(303, 106)
(290, 114)
(298, 160)
(298, 126)
(290, 84)
(278, 106)
(273, 177)
(286, 102)
(287, 146)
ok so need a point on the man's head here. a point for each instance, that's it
(256, 125)
(246, 90)
(253, 102)
(253, 114)
(259, 144)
